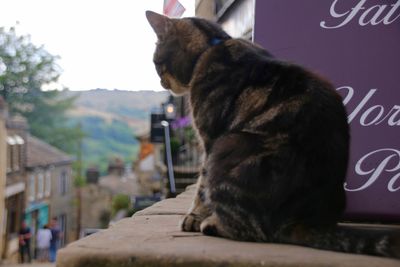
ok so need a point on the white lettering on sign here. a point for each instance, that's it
(390, 156)
(373, 15)
(371, 114)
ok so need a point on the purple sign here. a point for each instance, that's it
(355, 44)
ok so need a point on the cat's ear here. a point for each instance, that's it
(159, 23)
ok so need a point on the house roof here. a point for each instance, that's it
(42, 154)
(117, 184)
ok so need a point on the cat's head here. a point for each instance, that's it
(180, 44)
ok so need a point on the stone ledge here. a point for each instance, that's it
(152, 238)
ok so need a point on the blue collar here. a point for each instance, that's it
(216, 41)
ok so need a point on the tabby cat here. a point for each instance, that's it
(276, 142)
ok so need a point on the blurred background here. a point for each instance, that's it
(87, 134)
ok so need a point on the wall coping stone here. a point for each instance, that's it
(152, 238)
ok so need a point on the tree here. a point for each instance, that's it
(24, 69)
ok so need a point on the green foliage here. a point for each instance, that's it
(190, 134)
(104, 140)
(120, 202)
(48, 121)
(130, 112)
(79, 180)
(175, 145)
(105, 217)
(24, 70)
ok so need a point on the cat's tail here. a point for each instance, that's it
(377, 242)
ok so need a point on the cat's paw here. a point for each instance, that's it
(209, 229)
(211, 226)
(191, 223)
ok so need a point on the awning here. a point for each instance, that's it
(35, 206)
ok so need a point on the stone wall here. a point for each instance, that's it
(152, 238)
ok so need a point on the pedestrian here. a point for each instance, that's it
(25, 242)
(43, 238)
(55, 237)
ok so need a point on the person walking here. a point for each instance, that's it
(55, 237)
(25, 242)
(43, 244)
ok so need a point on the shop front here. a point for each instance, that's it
(36, 216)
(355, 44)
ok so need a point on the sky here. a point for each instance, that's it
(102, 43)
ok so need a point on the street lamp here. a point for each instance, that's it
(170, 166)
(170, 111)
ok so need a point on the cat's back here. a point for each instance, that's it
(244, 63)
(242, 86)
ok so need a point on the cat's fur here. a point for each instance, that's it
(276, 141)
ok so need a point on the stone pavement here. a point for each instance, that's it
(152, 238)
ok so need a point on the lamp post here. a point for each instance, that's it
(170, 167)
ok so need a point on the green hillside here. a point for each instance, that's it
(110, 120)
(105, 140)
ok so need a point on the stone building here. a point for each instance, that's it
(50, 190)
(3, 154)
(118, 180)
(98, 193)
(16, 132)
(35, 185)
(145, 167)
(96, 207)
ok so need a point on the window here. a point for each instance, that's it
(9, 157)
(18, 152)
(40, 188)
(63, 182)
(31, 187)
(16, 157)
(47, 184)
(14, 152)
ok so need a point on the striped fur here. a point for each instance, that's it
(276, 141)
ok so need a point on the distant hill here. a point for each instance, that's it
(110, 119)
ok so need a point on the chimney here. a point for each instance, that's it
(92, 175)
(116, 166)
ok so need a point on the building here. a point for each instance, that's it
(35, 185)
(97, 194)
(95, 207)
(49, 189)
(235, 16)
(145, 169)
(12, 183)
(3, 154)
(119, 179)
(16, 132)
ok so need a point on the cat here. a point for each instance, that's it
(276, 142)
